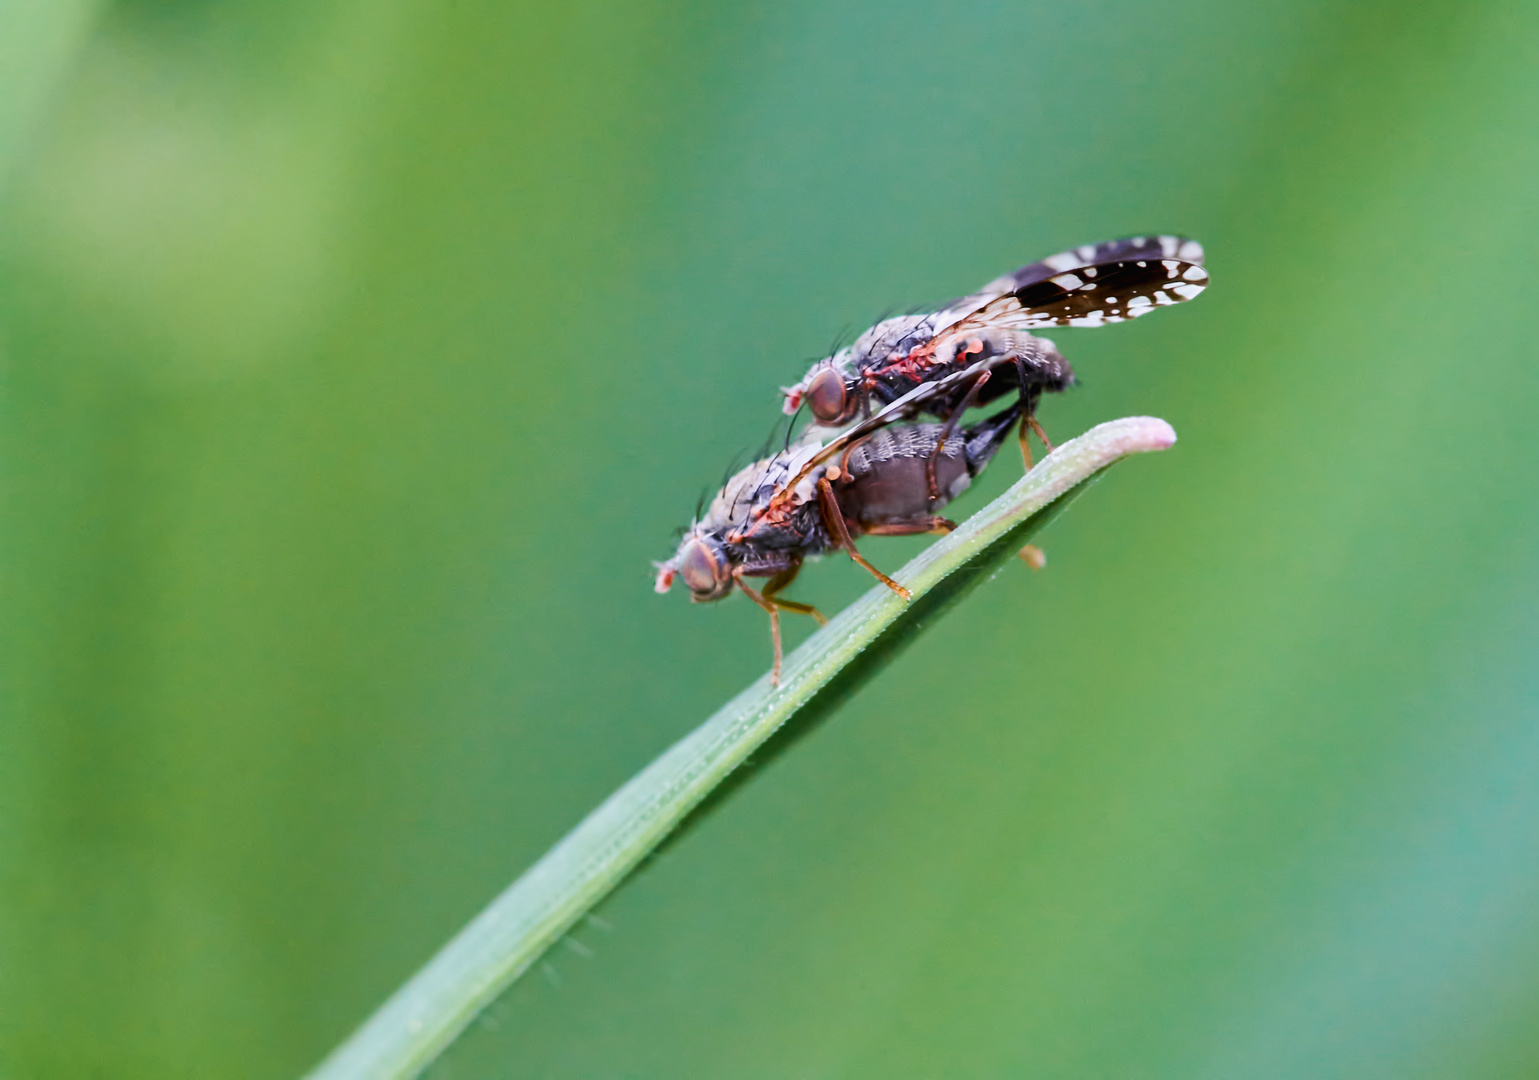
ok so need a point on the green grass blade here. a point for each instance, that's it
(434, 1006)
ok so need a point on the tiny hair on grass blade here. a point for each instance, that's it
(426, 1014)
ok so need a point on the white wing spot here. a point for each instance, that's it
(1169, 245)
(1087, 252)
(1191, 251)
(1187, 292)
(1089, 271)
(1064, 261)
(1140, 302)
(1162, 299)
(1171, 266)
(1068, 281)
(1195, 273)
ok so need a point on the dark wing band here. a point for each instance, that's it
(1129, 249)
(1090, 296)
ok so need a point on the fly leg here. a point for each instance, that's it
(951, 425)
(833, 518)
(1047, 444)
(783, 580)
(1029, 414)
(774, 605)
(1033, 556)
(1030, 421)
(938, 525)
(774, 614)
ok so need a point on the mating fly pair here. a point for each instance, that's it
(875, 479)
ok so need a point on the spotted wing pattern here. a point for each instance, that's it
(1090, 296)
(1130, 249)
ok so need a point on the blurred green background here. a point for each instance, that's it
(356, 358)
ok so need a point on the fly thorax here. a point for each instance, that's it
(891, 337)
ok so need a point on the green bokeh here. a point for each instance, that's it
(355, 358)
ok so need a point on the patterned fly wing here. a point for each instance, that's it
(1090, 296)
(1131, 249)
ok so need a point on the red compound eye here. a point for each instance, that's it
(700, 568)
(827, 397)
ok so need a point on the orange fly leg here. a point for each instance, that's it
(774, 614)
(938, 525)
(1025, 441)
(783, 580)
(951, 425)
(833, 518)
(1029, 423)
(1046, 442)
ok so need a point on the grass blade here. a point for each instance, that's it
(482, 960)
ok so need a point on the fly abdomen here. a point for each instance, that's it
(887, 481)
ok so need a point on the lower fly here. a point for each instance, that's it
(812, 498)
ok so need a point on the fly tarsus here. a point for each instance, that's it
(834, 518)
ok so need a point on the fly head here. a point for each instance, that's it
(704, 563)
